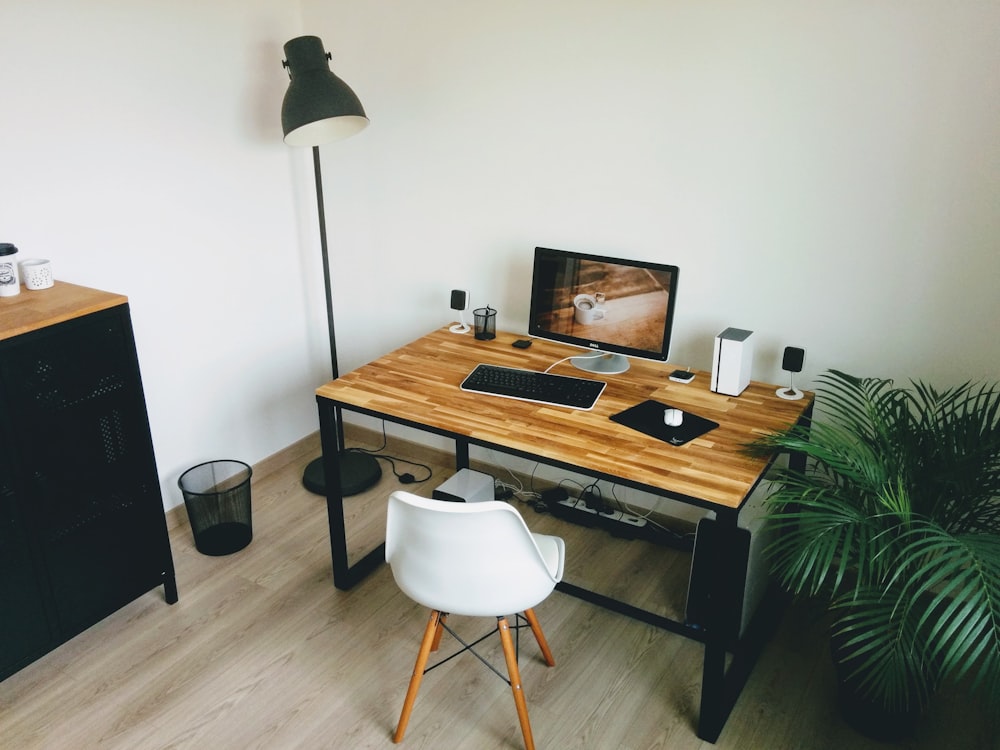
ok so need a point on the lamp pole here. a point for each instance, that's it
(318, 108)
(334, 367)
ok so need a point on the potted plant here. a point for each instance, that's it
(894, 524)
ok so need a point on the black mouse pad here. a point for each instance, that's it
(647, 417)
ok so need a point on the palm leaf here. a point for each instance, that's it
(958, 585)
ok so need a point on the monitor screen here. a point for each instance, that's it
(615, 307)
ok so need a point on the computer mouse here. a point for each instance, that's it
(673, 417)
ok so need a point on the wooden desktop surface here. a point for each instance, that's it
(419, 383)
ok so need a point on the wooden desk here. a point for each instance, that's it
(418, 386)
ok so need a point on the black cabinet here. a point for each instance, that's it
(24, 627)
(83, 528)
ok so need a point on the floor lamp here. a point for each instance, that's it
(319, 108)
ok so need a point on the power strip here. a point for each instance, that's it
(575, 510)
(624, 525)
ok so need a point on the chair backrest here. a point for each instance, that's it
(465, 558)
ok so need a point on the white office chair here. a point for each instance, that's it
(476, 559)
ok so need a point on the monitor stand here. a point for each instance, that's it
(601, 363)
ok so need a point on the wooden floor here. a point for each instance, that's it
(262, 651)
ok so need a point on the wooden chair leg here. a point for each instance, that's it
(439, 632)
(529, 615)
(510, 655)
(432, 635)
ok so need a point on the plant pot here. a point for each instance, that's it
(868, 716)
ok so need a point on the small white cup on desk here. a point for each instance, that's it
(36, 273)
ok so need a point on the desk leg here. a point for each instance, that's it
(797, 459)
(332, 442)
(461, 454)
(712, 713)
(345, 575)
(719, 690)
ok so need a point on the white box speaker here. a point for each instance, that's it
(466, 486)
(732, 361)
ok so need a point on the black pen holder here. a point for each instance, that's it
(486, 323)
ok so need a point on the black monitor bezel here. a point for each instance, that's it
(593, 345)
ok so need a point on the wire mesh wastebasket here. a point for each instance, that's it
(217, 499)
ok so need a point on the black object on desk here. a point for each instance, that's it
(647, 418)
(529, 385)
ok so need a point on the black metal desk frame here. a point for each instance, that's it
(720, 686)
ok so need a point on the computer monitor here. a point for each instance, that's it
(617, 308)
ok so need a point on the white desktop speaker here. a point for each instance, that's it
(732, 361)
(460, 302)
(791, 363)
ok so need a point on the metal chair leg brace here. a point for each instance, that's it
(519, 622)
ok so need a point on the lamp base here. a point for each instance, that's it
(358, 472)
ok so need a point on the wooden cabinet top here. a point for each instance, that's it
(32, 310)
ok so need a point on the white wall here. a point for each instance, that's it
(824, 173)
(141, 152)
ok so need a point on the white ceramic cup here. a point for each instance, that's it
(586, 310)
(36, 273)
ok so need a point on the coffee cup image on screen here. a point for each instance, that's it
(587, 309)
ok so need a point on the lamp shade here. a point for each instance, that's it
(318, 106)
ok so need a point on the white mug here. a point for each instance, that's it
(586, 310)
(36, 273)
